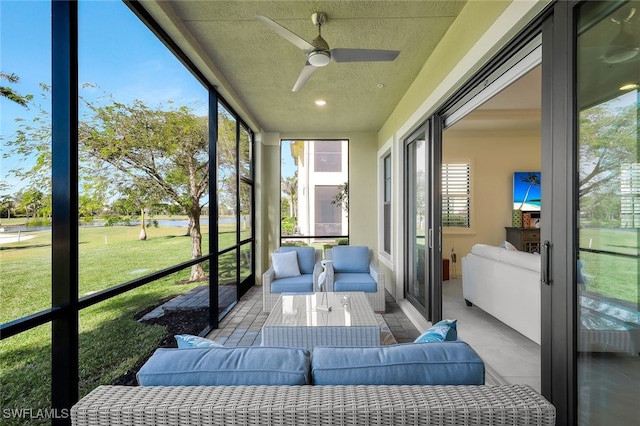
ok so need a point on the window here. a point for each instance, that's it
(328, 216)
(327, 156)
(314, 198)
(456, 195)
(386, 209)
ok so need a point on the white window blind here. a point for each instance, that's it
(456, 195)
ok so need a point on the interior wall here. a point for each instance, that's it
(362, 191)
(494, 157)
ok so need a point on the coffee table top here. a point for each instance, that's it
(348, 309)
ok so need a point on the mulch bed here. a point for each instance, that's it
(177, 322)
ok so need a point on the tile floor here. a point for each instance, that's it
(509, 356)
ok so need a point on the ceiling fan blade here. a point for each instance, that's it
(285, 33)
(363, 55)
(304, 76)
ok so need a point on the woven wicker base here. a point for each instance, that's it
(314, 405)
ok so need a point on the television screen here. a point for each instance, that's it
(526, 191)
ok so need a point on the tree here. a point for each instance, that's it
(32, 143)
(533, 181)
(163, 152)
(289, 187)
(8, 204)
(33, 202)
(608, 138)
(341, 199)
(9, 93)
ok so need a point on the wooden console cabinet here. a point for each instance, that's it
(524, 239)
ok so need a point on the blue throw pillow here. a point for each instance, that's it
(186, 341)
(444, 330)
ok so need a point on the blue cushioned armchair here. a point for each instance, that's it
(353, 268)
(307, 282)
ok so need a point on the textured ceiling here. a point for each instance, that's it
(260, 67)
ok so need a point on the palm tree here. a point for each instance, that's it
(533, 180)
(290, 188)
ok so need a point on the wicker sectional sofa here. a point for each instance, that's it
(406, 384)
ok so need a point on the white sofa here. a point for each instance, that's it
(505, 284)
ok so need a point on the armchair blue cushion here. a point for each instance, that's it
(351, 259)
(306, 258)
(345, 281)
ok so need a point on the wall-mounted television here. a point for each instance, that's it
(526, 191)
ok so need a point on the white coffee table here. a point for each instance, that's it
(298, 320)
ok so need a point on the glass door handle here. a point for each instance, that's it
(545, 252)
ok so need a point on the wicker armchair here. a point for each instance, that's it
(272, 287)
(341, 276)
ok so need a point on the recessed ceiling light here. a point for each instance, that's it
(379, 85)
(320, 102)
(630, 86)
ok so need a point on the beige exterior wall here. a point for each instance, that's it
(493, 158)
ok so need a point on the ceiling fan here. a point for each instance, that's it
(318, 52)
(624, 46)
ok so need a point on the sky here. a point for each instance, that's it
(117, 54)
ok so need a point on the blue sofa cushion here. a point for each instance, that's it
(350, 258)
(300, 284)
(226, 366)
(306, 257)
(446, 363)
(445, 330)
(360, 281)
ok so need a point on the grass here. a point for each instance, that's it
(609, 274)
(110, 340)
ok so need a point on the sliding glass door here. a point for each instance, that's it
(607, 252)
(422, 285)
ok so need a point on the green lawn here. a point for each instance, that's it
(609, 274)
(111, 341)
